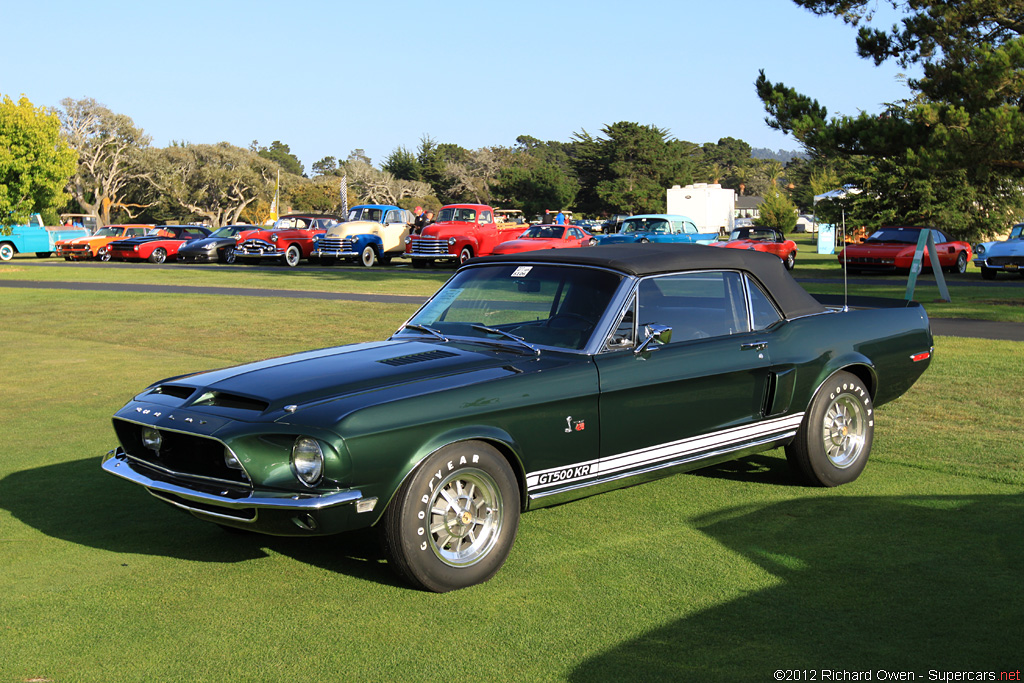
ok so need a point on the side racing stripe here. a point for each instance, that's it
(652, 456)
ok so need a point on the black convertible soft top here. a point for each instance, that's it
(656, 259)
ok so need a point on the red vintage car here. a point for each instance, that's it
(547, 237)
(289, 241)
(158, 245)
(768, 240)
(892, 248)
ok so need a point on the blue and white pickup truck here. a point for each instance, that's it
(371, 233)
(34, 237)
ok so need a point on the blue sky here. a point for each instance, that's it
(329, 77)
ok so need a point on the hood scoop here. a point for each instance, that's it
(417, 358)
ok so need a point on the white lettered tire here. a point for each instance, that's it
(834, 440)
(454, 519)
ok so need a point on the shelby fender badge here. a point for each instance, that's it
(577, 425)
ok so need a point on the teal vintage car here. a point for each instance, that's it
(527, 380)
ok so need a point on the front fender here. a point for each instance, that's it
(489, 434)
(359, 242)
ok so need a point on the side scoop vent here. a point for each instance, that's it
(417, 358)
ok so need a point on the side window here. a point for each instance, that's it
(762, 310)
(394, 216)
(485, 217)
(938, 237)
(694, 305)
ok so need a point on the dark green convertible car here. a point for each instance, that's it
(527, 380)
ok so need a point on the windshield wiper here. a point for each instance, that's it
(508, 335)
(424, 328)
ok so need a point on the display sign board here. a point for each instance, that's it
(826, 238)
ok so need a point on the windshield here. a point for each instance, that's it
(908, 236)
(751, 234)
(544, 232)
(449, 214)
(365, 213)
(1017, 232)
(659, 225)
(555, 306)
(108, 232)
(229, 231)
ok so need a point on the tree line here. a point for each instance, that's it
(950, 155)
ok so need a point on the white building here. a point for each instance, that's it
(709, 205)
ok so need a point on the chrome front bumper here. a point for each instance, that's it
(282, 514)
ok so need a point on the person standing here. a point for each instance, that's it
(560, 218)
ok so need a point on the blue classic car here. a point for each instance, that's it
(1006, 256)
(659, 227)
(528, 380)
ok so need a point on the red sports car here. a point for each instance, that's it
(547, 237)
(158, 245)
(892, 248)
(768, 240)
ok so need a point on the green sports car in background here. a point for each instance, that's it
(527, 380)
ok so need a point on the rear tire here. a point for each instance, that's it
(454, 520)
(790, 260)
(834, 440)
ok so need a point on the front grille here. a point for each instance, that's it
(336, 244)
(430, 245)
(180, 453)
(256, 248)
(1002, 261)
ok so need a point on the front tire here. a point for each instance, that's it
(419, 263)
(465, 254)
(159, 255)
(988, 273)
(834, 440)
(368, 256)
(6, 251)
(292, 256)
(227, 256)
(454, 520)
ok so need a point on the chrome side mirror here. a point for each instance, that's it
(654, 334)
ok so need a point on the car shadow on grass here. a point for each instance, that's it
(762, 469)
(918, 584)
(76, 502)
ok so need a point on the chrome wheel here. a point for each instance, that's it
(6, 252)
(229, 255)
(159, 255)
(790, 260)
(961, 262)
(465, 517)
(844, 429)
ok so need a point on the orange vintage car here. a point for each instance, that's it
(96, 246)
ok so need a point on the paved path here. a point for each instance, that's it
(950, 327)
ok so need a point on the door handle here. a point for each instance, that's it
(754, 346)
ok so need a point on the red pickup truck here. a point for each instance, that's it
(461, 232)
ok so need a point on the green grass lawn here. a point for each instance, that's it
(727, 574)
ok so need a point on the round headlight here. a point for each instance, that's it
(273, 238)
(151, 438)
(408, 239)
(451, 241)
(307, 460)
(980, 249)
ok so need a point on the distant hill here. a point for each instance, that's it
(783, 155)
